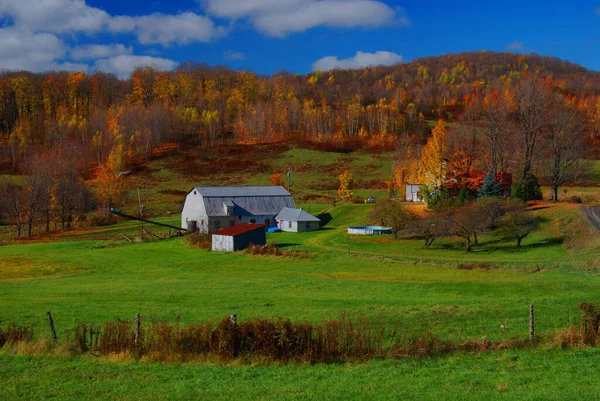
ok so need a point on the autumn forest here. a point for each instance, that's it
(449, 120)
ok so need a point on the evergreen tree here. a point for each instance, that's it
(490, 187)
(516, 191)
(463, 196)
(531, 188)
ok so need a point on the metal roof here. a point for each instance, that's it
(239, 229)
(242, 191)
(246, 201)
(291, 214)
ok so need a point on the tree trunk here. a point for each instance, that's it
(475, 239)
(519, 239)
(468, 244)
(555, 193)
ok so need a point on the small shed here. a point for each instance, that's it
(411, 193)
(239, 237)
(297, 220)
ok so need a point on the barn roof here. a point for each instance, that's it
(239, 229)
(291, 214)
(246, 201)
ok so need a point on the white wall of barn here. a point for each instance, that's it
(194, 210)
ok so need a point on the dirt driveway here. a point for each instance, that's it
(593, 214)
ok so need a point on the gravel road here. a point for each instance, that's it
(593, 214)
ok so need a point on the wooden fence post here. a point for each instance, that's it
(138, 325)
(51, 322)
(233, 319)
(531, 323)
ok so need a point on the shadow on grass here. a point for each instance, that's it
(325, 219)
(288, 244)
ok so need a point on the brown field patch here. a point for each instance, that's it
(18, 268)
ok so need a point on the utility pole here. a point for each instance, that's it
(289, 174)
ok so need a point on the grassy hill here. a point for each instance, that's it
(94, 274)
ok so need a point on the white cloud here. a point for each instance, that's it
(91, 52)
(516, 46)
(281, 17)
(359, 60)
(598, 10)
(55, 16)
(29, 51)
(166, 29)
(123, 65)
(233, 55)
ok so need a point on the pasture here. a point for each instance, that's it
(95, 274)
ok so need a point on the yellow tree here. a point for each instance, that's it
(276, 179)
(110, 184)
(432, 168)
(347, 186)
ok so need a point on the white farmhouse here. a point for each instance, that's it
(297, 220)
(208, 209)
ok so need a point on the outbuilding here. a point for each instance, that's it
(411, 193)
(297, 220)
(239, 237)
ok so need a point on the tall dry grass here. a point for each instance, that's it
(348, 338)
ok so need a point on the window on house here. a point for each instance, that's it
(308, 225)
(253, 221)
(231, 223)
(268, 222)
(217, 224)
(289, 224)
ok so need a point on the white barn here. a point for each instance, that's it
(297, 220)
(208, 209)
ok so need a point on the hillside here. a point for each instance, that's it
(90, 114)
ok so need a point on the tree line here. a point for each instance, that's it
(499, 112)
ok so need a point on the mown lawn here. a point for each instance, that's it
(523, 375)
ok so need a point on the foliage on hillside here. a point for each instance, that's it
(95, 113)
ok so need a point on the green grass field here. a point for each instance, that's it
(525, 375)
(96, 275)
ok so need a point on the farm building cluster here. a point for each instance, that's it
(238, 216)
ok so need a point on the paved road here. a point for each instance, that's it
(593, 214)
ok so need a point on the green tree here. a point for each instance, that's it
(518, 222)
(490, 187)
(463, 196)
(528, 189)
(391, 214)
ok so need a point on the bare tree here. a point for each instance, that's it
(495, 123)
(467, 223)
(565, 143)
(436, 224)
(531, 112)
(12, 204)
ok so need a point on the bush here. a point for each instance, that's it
(201, 240)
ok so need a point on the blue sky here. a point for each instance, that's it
(294, 35)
